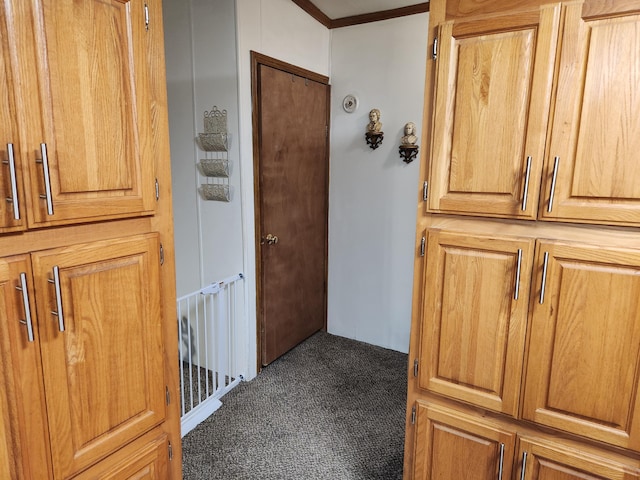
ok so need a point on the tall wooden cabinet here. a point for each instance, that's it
(88, 346)
(525, 344)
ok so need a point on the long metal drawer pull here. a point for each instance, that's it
(524, 465)
(47, 180)
(27, 309)
(56, 283)
(500, 467)
(553, 183)
(13, 199)
(527, 175)
(544, 276)
(516, 293)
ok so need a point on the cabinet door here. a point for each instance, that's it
(492, 94)
(102, 351)
(593, 171)
(474, 317)
(546, 461)
(95, 105)
(140, 460)
(583, 371)
(449, 444)
(12, 209)
(23, 432)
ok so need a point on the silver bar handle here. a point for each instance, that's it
(544, 277)
(47, 180)
(501, 465)
(553, 183)
(527, 176)
(524, 465)
(58, 313)
(27, 309)
(13, 199)
(516, 293)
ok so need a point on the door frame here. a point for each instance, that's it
(258, 59)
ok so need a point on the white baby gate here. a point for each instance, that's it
(207, 321)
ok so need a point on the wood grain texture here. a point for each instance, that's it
(379, 16)
(474, 329)
(24, 436)
(293, 172)
(451, 445)
(95, 401)
(582, 373)
(492, 92)
(93, 82)
(554, 461)
(595, 126)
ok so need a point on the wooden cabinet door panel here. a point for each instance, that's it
(104, 372)
(473, 326)
(550, 461)
(23, 429)
(596, 123)
(450, 444)
(140, 460)
(492, 94)
(12, 214)
(96, 106)
(583, 369)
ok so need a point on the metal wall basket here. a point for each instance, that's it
(217, 192)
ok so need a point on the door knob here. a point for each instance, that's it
(270, 239)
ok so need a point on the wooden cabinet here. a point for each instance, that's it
(87, 315)
(583, 370)
(531, 114)
(452, 445)
(492, 110)
(81, 119)
(593, 156)
(544, 460)
(474, 318)
(24, 441)
(492, 94)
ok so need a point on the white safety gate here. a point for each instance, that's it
(207, 322)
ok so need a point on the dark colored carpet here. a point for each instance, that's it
(332, 408)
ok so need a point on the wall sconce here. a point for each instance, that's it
(408, 148)
(374, 133)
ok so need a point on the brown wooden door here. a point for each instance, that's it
(24, 451)
(582, 370)
(103, 361)
(292, 169)
(452, 445)
(12, 213)
(550, 461)
(492, 94)
(593, 155)
(474, 317)
(88, 100)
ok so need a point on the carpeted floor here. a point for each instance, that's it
(332, 408)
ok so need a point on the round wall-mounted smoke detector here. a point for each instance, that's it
(350, 103)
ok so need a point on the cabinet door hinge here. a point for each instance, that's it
(434, 50)
(157, 190)
(146, 17)
(170, 451)
(326, 131)
(415, 368)
(425, 191)
(423, 245)
(161, 254)
(413, 415)
(167, 395)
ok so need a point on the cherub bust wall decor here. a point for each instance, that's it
(374, 134)
(408, 148)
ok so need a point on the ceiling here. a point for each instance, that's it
(348, 8)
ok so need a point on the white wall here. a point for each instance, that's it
(372, 193)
